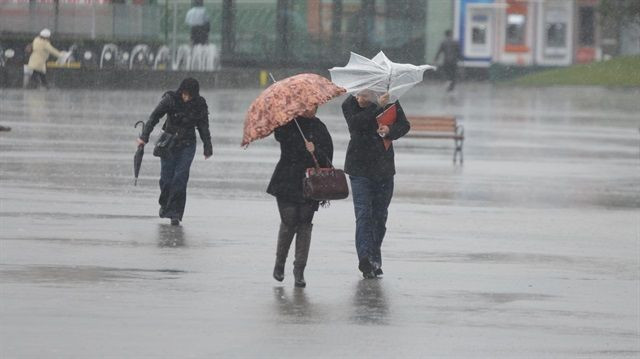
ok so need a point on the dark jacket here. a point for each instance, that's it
(182, 119)
(286, 181)
(366, 154)
(451, 51)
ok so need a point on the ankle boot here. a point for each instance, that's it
(303, 243)
(285, 237)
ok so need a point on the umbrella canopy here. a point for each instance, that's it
(283, 101)
(137, 158)
(378, 74)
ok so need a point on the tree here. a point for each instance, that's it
(620, 11)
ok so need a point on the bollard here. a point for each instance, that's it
(263, 78)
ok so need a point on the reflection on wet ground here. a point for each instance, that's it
(370, 304)
(170, 236)
(293, 304)
(528, 250)
(79, 274)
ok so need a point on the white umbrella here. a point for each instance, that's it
(378, 74)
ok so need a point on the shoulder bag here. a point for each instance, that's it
(164, 145)
(323, 184)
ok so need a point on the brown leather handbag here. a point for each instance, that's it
(324, 184)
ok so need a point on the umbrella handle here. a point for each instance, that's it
(136, 125)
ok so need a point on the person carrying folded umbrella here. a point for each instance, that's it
(371, 168)
(186, 111)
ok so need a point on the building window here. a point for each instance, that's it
(515, 29)
(557, 34)
(586, 26)
(479, 30)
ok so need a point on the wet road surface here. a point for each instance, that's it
(531, 249)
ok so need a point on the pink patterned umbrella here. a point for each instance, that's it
(285, 100)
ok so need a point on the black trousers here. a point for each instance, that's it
(38, 78)
(450, 70)
(200, 34)
(293, 213)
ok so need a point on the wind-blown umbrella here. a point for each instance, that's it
(283, 101)
(378, 74)
(137, 158)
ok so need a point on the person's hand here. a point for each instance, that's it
(383, 131)
(384, 99)
(310, 146)
(139, 141)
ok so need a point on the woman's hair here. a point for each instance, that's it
(190, 86)
(368, 95)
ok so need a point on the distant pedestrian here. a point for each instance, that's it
(450, 49)
(41, 49)
(186, 111)
(296, 211)
(198, 19)
(371, 167)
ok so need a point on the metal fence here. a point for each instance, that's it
(284, 31)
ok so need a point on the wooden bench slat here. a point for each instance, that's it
(434, 128)
(437, 127)
(431, 118)
(447, 136)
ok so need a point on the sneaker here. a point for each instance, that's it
(378, 272)
(175, 222)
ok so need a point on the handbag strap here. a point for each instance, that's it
(315, 160)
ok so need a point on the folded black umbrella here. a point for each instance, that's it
(137, 158)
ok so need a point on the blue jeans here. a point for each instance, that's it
(174, 175)
(371, 199)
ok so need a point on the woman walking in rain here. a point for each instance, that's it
(296, 212)
(186, 111)
(371, 168)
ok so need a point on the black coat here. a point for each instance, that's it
(286, 181)
(366, 154)
(182, 119)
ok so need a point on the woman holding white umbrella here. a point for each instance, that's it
(371, 169)
(373, 125)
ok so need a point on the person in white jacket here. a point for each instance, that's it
(41, 49)
(198, 19)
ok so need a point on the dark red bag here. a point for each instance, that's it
(325, 184)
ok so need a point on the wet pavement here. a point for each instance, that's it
(530, 249)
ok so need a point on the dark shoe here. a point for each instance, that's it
(5, 128)
(285, 237)
(368, 275)
(366, 268)
(378, 272)
(298, 275)
(278, 272)
(175, 222)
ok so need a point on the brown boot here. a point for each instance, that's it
(285, 237)
(303, 243)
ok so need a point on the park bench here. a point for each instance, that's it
(438, 127)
